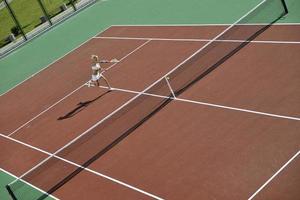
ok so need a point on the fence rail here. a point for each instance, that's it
(23, 20)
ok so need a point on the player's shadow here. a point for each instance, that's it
(80, 107)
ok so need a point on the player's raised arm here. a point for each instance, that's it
(104, 61)
(109, 61)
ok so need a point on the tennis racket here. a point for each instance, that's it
(114, 60)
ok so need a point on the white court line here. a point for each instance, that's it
(10, 174)
(53, 105)
(45, 110)
(242, 110)
(207, 104)
(139, 47)
(79, 166)
(272, 177)
(204, 24)
(197, 40)
(54, 62)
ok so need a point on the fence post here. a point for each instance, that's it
(15, 19)
(73, 5)
(45, 12)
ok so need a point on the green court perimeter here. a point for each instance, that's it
(5, 178)
(45, 49)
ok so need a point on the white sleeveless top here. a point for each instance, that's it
(96, 67)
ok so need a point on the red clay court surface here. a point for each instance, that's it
(232, 135)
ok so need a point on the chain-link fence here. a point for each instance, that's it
(21, 20)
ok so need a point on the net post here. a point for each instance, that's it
(170, 88)
(12, 195)
(285, 6)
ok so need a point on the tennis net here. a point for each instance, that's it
(68, 161)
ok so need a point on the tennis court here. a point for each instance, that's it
(166, 130)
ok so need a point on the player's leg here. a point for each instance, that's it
(92, 81)
(98, 76)
(106, 81)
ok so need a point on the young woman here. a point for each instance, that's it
(97, 71)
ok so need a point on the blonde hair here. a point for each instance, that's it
(95, 57)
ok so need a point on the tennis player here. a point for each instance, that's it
(97, 71)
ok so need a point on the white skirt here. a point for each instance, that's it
(96, 77)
